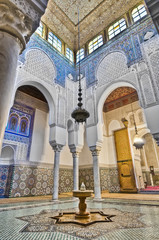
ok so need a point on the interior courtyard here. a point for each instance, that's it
(58, 60)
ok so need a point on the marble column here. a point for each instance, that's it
(95, 154)
(14, 28)
(75, 156)
(57, 149)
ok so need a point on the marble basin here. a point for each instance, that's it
(82, 194)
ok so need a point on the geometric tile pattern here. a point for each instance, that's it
(62, 65)
(109, 179)
(31, 181)
(5, 180)
(125, 43)
(22, 180)
(128, 43)
(113, 183)
(65, 180)
(147, 215)
(44, 222)
(86, 176)
(35, 181)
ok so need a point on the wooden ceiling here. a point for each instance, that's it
(32, 91)
(119, 98)
(95, 15)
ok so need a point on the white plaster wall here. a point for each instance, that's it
(85, 157)
(41, 150)
(66, 157)
(38, 137)
(103, 157)
(48, 153)
(112, 160)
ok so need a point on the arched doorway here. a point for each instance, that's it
(28, 132)
(123, 103)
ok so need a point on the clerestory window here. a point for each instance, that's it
(39, 30)
(55, 41)
(95, 43)
(80, 55)
(139, 13)
(69, 54)
(116, 28)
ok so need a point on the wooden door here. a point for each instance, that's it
(124, 161)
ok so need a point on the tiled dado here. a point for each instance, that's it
(5, 180)
(108, 179)
(34, 181)
(18, 181)
(31, 181)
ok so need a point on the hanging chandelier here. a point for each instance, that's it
(80, 114)
(138, 142)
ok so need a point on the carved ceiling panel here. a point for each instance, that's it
(119, 93)
(95, 15)
(70, 8)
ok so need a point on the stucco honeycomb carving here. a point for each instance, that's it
(154, 60)
(147, 89)
(113, 66)
(151, 46)
(39, 64)
(61, 111)
(90, 106)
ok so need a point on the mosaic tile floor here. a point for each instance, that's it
(132, 222)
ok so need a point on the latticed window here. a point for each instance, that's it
(139, 13)
(116, 28)
(55, 41)
(95, 43)
(80, 55)
(69, 54)
(39, 30)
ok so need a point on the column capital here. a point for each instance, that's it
(156, 137)
(14, 22)
(95, 150)
(57, 147)
(20, 18)
(75, 154)
(75, 150)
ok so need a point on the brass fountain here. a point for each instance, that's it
(82, 195)
(83, 216)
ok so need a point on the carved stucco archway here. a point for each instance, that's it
(47, 94)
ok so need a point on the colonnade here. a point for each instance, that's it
(75, 156)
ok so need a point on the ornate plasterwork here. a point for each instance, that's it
(33, 8)
(61, 17)
(15, 22)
